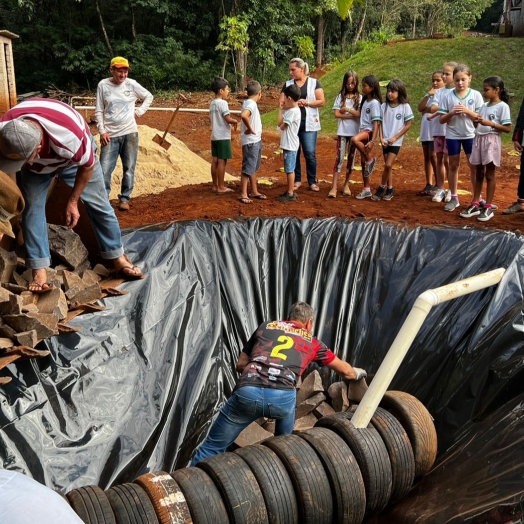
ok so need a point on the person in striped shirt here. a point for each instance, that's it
(43, 138)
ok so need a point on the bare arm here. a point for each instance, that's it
(402, 132)
(242, 361)
(344, 369)
(83, 175)
(245, 116)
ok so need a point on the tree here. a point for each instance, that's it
(234, 38)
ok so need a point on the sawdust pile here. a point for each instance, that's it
(158, 169)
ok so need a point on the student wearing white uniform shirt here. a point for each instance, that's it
(493, 118)
(397, 118)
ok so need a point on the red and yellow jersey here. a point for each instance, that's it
(279, 352)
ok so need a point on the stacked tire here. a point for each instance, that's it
(332, 473)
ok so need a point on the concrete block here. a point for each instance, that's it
(66, 246)
(306, 407)
(311, 385)
(27, 338)
(304, 423)
(53, 302)
(46, 325)
(356, 389)
(323, 410)
(338, 393)
(8, 263)
(253, 434)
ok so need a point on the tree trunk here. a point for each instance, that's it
(343, 36)
(241, 71)
(414, 27)
(320, 41)
(108, 43)
(224, 66)
(133, 25)
(360, 27)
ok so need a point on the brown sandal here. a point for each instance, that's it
(126, 273)
(40, 287)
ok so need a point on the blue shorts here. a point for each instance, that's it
(453, 145)
(251, 156)
(290, 160)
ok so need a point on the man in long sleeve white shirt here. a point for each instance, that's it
(116, 120)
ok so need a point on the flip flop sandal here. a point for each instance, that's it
(297, 185)
(41, 289)
(314, 187)
(260, 196)
(332, 193)
(126, 275)
(245, 200)
(346, 191)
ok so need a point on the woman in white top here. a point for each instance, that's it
(311, 98)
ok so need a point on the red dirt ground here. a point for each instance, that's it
(198, 202)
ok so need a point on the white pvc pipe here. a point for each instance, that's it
(407, 334)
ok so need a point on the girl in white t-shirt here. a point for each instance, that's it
(493, 118)
(459, 111)
(347, 110)
(397, 118)
(370, 118)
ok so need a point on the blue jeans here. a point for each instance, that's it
(102, 216)
(308, 144)
(246, 405)
(125, 147)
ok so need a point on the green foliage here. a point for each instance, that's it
(304, 46)
(414, 63)
(233, 34)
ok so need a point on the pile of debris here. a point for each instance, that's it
(26, 318)
(313, 402)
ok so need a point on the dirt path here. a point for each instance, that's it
(198, 202)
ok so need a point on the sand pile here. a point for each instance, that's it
(158, 169)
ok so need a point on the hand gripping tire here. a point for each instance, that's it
(238, 486)
(418, 423)
(371, 455)
(345, 479)
(91, 504)
(202, 496)
(131, 505)
(274, 482)
(315, 503)
(167, 497)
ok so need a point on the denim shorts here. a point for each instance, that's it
(453, 145)
(251, 156)
(290, 161)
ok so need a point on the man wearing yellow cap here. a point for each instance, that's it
(115, 116)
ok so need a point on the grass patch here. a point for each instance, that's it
(414, 62)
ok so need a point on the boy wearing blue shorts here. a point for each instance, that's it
(289, 123)
(251, 138)
(221, 124)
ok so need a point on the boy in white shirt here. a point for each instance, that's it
(116, 121)
(221, 124)
(251, 138)
(289, 123)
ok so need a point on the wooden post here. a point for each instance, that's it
(7, 72)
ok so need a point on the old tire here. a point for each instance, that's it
(310, 482)
(91, 504)
(400, 452)
(202, 496)
(418, 423)
(345, 479)
(167, 497)
(371, 455)
(238, 486)
(274, 483)
(131, 505)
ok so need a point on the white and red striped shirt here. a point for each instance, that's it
(66, 138)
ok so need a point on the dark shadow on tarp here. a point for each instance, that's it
(136, 389)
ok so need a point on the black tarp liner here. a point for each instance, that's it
(136, 389)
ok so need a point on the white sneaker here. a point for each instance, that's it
(448, 196)
(365, 194)
(440, 195)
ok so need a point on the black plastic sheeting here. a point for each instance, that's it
(136, 389)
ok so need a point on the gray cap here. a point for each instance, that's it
(19, 139)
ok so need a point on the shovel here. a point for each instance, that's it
(161, 140)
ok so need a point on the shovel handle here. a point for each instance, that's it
(178, 104)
